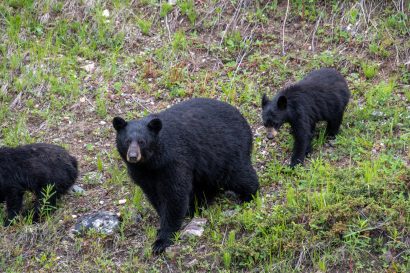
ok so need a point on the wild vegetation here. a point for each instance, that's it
(68, 67)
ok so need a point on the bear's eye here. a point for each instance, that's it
(141, 142)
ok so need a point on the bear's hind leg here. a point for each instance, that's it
(14, 201)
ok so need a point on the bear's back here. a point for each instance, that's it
(37, 164)
(320, 87)
(205, 128)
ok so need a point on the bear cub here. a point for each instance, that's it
(32, 168)
(321, 96)
(184, 155)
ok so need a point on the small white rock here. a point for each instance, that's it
(89, 67)
(122, 201)
(106, 13)
(77, 189)
(74, 216)
(195, 227)
(101, 202)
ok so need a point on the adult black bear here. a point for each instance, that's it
(184, 155)
(32, 168)
(321, 96)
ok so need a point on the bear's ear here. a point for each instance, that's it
(282, 102)
(265, 100)
(155, 125)
(119, 123)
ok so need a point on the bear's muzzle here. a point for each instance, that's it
(133, 153)
(271, 132)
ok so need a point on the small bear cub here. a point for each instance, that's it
(321, 96)
(183, 156)
(32, 168)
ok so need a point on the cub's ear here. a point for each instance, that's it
(282, 102)
(265, 100)
(155, 125)
(119, 123)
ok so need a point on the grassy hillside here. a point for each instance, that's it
(68, 67)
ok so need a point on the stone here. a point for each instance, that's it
(195, 227)
(90, 67)
(106, 13)
(104, 222)
(77, 189)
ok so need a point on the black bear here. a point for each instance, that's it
(32, 168)
(182, 157)
(321, 96)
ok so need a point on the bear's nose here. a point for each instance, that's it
(271, 132)
(132, 158)
(134, 153)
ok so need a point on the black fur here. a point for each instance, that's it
(31, 168)
(321, 96)
(185, 155)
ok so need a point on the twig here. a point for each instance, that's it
(314, 33)
(249, 38)
(169, 31)
(236, 14)
(283, 29)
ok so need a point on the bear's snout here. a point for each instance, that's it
(134, 153)
(271, 132)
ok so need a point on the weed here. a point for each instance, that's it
(144, 25)
(369, 70)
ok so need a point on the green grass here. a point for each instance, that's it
(346, 210)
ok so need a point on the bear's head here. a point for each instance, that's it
(137, 139)
(274, 114)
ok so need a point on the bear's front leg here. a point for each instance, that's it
(173, 207)
(302, 143)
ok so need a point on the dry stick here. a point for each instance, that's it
(283, 29)
(314, 33)
(169, 31)
(244, 54)
(364, 13)
(236, 14)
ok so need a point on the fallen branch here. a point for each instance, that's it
(283, 29)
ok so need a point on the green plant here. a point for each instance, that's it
(369, 70)
(188, 8)
(165, 9)
(179, 41)
(144, 26)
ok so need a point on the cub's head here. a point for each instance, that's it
(137, 139)
(274, 114)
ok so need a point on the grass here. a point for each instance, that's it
(68, 67)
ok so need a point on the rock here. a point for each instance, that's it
(194, 228)
(192, 263)
(104, 222)
(106, 13)
(90, 67)
(378, 114)
(229, 213)
(172, 2)
(122, 201)
(77, 189)
(172, 251)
